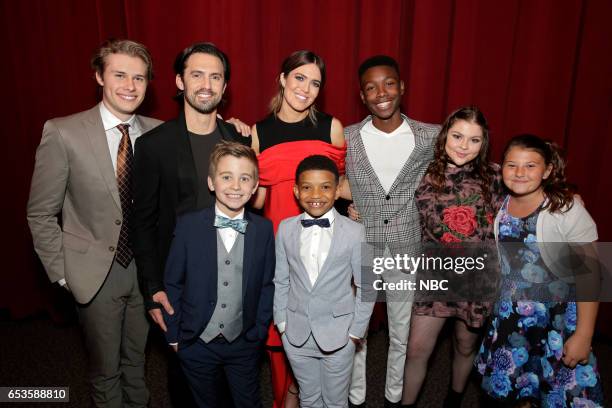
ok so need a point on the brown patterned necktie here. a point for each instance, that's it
(125, 160)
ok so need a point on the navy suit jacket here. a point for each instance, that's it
(190, 277)
(165, 185)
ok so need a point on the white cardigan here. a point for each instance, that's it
(575, 225)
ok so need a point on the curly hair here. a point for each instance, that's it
(559, 193)
(481, 168)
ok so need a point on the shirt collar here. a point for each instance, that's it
(110, 121)
(222, 214)
(403, 128)
(329, 215)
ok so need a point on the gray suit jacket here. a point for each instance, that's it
(330, 310)
(74, 176)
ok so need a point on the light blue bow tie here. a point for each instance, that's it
(224, 222)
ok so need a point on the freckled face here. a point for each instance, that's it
(463, 142)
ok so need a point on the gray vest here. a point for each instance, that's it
(227, 317)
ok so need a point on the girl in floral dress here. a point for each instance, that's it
(457, 200)
(537, 352)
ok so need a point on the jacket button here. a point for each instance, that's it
(388, 197)
(117, 222)
(111, 248)
(221, 326)
(222, 305)
(225, 283)
(227, 262)
(386, 221)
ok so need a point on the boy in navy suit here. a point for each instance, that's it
(321, 319)
(219, 281)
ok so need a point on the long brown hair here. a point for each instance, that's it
(482, 171)
(296, 60)
(558, 191)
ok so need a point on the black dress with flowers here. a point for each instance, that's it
(458, 213)
(520, 357)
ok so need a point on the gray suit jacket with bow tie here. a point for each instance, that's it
(329, 309)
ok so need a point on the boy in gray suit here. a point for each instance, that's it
(321, 319)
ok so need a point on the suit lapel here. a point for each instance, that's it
(363, 156)
(94, 129)
(419, 144)
(186, 165)
(225, 135)
(294, 242)
(333, 247)
(250, 242)
(209, 251)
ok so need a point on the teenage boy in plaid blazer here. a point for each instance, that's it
(387, 155)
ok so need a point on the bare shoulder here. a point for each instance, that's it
(337, 135)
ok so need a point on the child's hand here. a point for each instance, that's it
(576, 350)
(358, 343)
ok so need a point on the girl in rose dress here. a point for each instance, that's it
(537, 351)
(457, 200)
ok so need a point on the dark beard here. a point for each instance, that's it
(206, 109)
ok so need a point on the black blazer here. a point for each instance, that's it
(165, 184)
(191, 277)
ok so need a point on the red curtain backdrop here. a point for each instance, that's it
(539, 66)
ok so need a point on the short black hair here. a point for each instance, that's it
(317, 162)
(204, 48)
(377, 61)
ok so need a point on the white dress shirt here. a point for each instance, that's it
(387, 152)
(228, 235)
(314, 245)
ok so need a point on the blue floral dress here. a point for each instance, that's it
(520, 357)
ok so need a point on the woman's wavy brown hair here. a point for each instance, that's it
(481, 169)
(558, 191)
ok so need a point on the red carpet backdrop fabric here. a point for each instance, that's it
(538, 66)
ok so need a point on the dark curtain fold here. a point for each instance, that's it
(541, 66)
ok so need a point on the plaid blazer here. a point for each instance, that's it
(393, 216)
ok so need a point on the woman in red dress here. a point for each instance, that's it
(293, 130)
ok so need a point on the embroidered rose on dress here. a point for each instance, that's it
(461, 219)
(447, 237)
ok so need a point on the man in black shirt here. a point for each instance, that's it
(171, 166)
